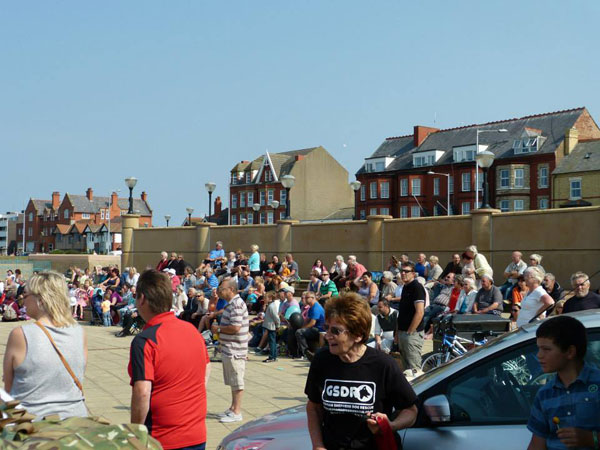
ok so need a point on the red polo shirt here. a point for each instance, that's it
(173, 356)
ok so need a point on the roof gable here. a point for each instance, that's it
(585, 157)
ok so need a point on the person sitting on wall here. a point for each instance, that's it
(354, 273)
(511, 273)
(338, 271)
(489, 298)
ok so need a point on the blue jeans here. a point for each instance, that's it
(272, 337)
(106, 320)
(194, 447)
(431, 312)
(506, 290)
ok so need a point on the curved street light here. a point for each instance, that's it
(130, 182)
(189, 211)
(167, 218)
(210, 188)
(288, 182)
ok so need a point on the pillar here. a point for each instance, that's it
(375, 244)
(284, 236)
(203, 244)
(481, 231)
(130, 222)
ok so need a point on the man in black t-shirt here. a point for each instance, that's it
(584, 298)
(411, 309)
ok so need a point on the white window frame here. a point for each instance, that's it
(250, 218)
(543, 177)
(415, 211)
(384, 211)
(270, 196)
(242, 199)
(466, 182)
(519, 205)
(85, 215)
(248, 177)
(384, 189)
(101, 214)
(415, 187)
(465, 208)
(373, 211)
(363, 193)
(403, 212)
(504, 179)
(521, 184)
(403, 187)
(436, 186)
(234, 201)
(269, 217)
(30, 231)
(451, 184)
(379, 166)
(262, 217)
(504, 205)
(250, 198)
(543, 203)
(573, 189)
(373, 189)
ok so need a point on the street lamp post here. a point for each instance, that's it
(288, 182)
(167, 218)
(501, 130)
(189, 211)
(447, 175)
(256, 207)
(131, 182)
(355, 185)
(210, 188)
(485, 160)
(274, 204)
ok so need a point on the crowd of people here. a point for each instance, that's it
(236, 301)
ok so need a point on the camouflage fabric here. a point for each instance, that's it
(51, 433)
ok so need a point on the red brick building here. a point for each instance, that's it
(395, 179)
(42, 216)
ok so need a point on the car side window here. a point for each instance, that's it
(502, 389)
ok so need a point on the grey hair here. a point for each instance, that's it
(536, 257)
(470, 282)
(472, 249)
(489, 277)
(219, 243)
(550, 276)
(339, 258)
(578, 275)
(388, 275)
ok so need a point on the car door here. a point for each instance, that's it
(489, 401)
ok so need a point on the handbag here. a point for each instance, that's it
(64, 361)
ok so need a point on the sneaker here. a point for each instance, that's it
(258, 351)
(309, 355)
(231, 417)
(300, 358)
(270, 360)
(227, 412)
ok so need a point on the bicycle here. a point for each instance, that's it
(453, 346)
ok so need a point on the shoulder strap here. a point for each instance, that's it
(60, 355)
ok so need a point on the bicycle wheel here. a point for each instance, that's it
(432, 361)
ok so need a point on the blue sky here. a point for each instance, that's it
(176, 93)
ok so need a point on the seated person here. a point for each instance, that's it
(315, 324)
(385, 327)
(516, 267)
(245, 282)
(552, 287)
(467, 297)
(489, 298)
(439, 303)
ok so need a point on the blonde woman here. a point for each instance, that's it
(254, 261)
(33, 370)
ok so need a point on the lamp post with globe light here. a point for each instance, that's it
(131, 182)
(485, 159)
(167, 218)
(274, 204)
(256, 207)
(477, 132)
(288, 182)
(355, 185)
(189, 211)
(210, 188)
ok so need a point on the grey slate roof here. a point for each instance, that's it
(552, 125)
(283, 162)
(40, 205)
(397, 147)
(81, 204)
(585, 157)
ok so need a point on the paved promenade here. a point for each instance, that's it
(269, 387)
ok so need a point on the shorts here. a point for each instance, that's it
(233, 373)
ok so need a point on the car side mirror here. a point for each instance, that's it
(437, 409)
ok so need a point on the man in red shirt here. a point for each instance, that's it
(168, 378)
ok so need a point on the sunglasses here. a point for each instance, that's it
(335, 331)
(515, 310)
(406, 271)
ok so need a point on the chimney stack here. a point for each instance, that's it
(89, 194)
(114, 201)
(299, 157)
(421, 133)
(217, 206)
(55, 200)
(144, 196)
(571, 140)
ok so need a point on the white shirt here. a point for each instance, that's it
(530, 306)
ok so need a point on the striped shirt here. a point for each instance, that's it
(575, 406)
(235, 345)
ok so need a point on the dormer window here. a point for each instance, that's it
(462, 154)
(526, 145)
(377, 164)
(426, 158)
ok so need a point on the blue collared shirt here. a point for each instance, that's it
(576, 406)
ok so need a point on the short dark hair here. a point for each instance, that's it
(565, 331)
(384, 301)
(157, 289)
(408, 264)
(369, 274)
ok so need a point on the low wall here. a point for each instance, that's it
(568, 239)
(61, 263)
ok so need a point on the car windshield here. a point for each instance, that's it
(505, 339)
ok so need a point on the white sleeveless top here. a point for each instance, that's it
(530, 306)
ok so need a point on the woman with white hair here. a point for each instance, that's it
(482, 267)
(535, 260)
(254, 261)
(338, 270)
(537, 300)
(467, 297)
(389, 287)
(34, 371)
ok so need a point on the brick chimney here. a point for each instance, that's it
(114, 200)
(571, 140)
(421, 132)
(299, 157)
(55, 200)
(217, 207)
(89, 194)
(144, 196)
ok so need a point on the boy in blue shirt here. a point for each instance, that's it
(566, 411)
(313, 327)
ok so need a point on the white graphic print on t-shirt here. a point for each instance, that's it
(347, 396)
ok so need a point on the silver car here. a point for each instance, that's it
(481, 400)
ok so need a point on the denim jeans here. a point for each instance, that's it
(272, 336)
(106, 320)
(194, 447)
(303, 335)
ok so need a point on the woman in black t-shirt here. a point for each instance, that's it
(350, 386)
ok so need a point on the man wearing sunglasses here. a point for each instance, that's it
(410, 318)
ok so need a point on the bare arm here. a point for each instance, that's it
(537, 443)
(405, 419)
(546, 302)
(16, 348)
(140, 401)
(314, 414)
